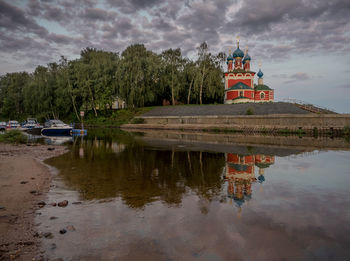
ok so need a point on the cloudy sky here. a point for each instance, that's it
(304, 45)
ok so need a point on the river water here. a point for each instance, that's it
(142, 197)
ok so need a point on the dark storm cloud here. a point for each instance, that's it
(132, 6)
(13, 18)
(297, 77)
(97, 14)
(120, 27)
(273, 29)
(258, 16)
(300, 76)
(54, 13)
(303, 25)
(59, 38)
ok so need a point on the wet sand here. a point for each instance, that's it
(24, 181)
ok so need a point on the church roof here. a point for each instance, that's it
(260, 73)
(238, 53)
(241, 71)
(263, 165)
(238, 167)
(239, 86)
(246, 58)
(262, 87)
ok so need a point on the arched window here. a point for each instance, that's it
(241, 93)
(262, 95)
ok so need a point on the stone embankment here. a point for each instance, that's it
(241, 143)
(227, 109)
(284, 118)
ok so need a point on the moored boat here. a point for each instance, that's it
(2, 125)
(30, 124)
(12, 125)
(56, 128)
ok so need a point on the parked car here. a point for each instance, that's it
(2, 125)
(12, 125)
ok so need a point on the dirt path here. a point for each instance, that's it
(24, 181)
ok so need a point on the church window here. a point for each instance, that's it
(241, 93)
(262, 95)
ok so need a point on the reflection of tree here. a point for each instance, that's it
(240, 174)
(139, 175)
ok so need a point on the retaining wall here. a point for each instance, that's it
(272, 122)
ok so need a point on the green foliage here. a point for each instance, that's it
(138, 121)
(137, 76)
(117, 118)
(97, 78)
(250, 111)
(13, 136)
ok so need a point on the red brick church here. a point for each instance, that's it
(239, 80)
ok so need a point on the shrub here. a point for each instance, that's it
(13, 136)
(138, 120)
(250, 111)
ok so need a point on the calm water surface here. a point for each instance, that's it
(149, 199)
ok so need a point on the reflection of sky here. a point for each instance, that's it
(299, 213)
(314, 171)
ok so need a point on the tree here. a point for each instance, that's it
(190, 73)
(210, 75)
(138, 76)
(203, 61)
(172, 67)
(11, 93)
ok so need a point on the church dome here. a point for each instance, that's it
(238, 53)
(229, 58)
(260, 73)
(246, 58)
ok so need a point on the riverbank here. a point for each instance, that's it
(309, 124)
(24, 181)
(132, 115)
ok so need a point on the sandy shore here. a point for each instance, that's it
(24, 181)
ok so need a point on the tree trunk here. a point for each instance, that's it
(93, 101)
(201, 86)
(189, 91)
(73, 101)
(172, 87)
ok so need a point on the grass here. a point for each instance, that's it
(116, 118)
(217, 130)
(13, 136)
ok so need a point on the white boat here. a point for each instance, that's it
(56, 128)
(30, 124)
(12, 125)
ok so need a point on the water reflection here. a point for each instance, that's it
(240, 174)
(49, 140)
(101, 169)
(145, 198)
(141, 174)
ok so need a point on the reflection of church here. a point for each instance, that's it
(240, 174)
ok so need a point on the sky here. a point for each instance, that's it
(304, 45)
